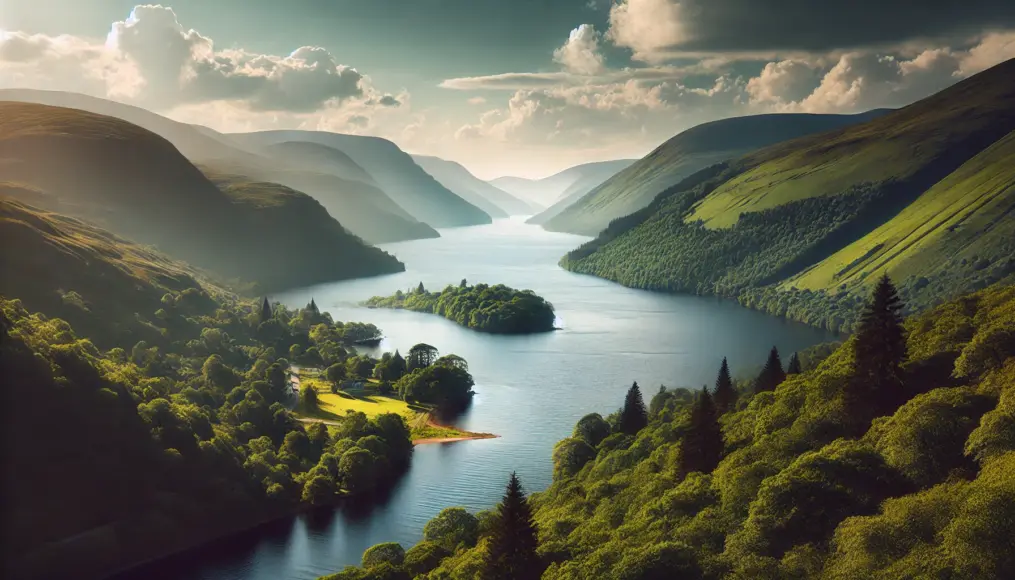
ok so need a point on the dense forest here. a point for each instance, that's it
(143, 449)
(496, 309)
(803, 228)
(892, 456)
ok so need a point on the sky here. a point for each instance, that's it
(505, 87)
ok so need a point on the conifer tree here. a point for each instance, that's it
(725, 394)
(463, 284)
(512, 549)
(633, 417)
(397, 365)
(772, 375)
(879, 349)
(420, 289)
(265, 310)
(702, 446)
(313, 307)
(793, 368)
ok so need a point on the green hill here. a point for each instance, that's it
(482, 194)
(317, 157)
(136, 184)
(394, 171)
(692, 150)
(801, 228)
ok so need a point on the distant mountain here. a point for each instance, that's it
(802, 228)
(345, 189)
(492, 200)
(393, 169)
(317, 157)
(546, 191)
(692, 150)
(136, 184)
(195, 142)
(365, 211)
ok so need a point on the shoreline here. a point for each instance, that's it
(465, 435)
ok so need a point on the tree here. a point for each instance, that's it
(725, 394)
(308, 398)
(772, 374)
(420, 289)
(793, 368)
(312, 307)
(633, 417)
(421, 356)
(453, 360)
(397, 366)
(702, 445)
(452, 527)
(390, 552)
(879, 349)
(592, 429)
(511, 553)
(266, 313)
(463, 284)
(336, 373)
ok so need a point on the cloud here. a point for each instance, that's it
(152, 60)
(783, 82)
(580, 54)
(477, 101)
(657, 29)
(507, 81)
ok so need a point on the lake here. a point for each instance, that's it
(530, 389)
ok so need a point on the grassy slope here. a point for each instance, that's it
(320, 157)
(907, 180)
(394, 170)
(966, 219)
(491, 199)
(136, 184)
(681, 156)
(920, 143)
(85, 275)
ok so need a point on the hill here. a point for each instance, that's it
(302, 166)
(394, 170)
(317, 157)
(690, 151)
(492, 200)
(542, 193)
(136, 184)
(194, 142)
(802, 228)
(795, 482)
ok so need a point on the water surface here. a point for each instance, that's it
(530, 389)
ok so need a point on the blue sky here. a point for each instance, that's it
(523, 87)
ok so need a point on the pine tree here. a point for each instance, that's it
(702, 446)
(793, 368)
(397, 365)
(265, 310)
(420, 289)
(772, 375)
(313, 307)
(879, 349)
(633, 417)
(511, 554)
(725, 394)
(463, 284)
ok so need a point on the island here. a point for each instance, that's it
(496, 309)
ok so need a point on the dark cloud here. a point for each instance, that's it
(388, 101)
(806, 25)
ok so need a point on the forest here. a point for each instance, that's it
(495, 309)
(891, 456)
(140, 450)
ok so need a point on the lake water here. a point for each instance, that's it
(530, 389)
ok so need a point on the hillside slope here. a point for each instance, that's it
(803, 227)
(394, 170)
(544, 192)
(684, 154)
(137, 185)
(317, 157)
(489, 198)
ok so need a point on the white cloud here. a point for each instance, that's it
(477, 101)
(647, 27)
(580, 54)
(783, 82)
(152, 60)
(992, 49)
